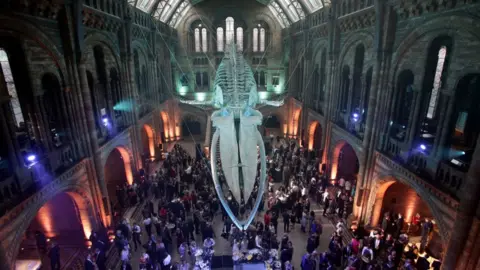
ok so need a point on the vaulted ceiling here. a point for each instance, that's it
(285, 11)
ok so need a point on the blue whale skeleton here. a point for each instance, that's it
(236, 97)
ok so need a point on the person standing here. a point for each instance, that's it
(54, 255)
(148, 225)
(136, 231)
(286, 221)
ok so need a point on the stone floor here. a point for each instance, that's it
(222, 246)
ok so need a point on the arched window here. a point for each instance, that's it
(262, 78)
(437, 82)
(229, 30)
(200, 38)
(220, 41)
(258, 39)
(204, 40)
(12, 90)
(205, 79)
(240, 38)
(255, 40)
(197, 40)
(198, 79)
(262, 39)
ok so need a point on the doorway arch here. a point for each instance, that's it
(315, 136)
(395, 196)
(148, 141)
(64, 219)
(345, 162)
(117, 171)
(166, 126)
(295, 123)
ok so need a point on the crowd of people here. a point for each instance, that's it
(186, 205)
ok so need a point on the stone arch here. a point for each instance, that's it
(453, 27)
(84, 209)
(142, 50)
(191, 124)
(20, 28)
(336, 155)
(188, 20)
(110, 50)
(260, 16)
(168, 131)
(318, 50)
(364, 37)
(380, 187)
(315, 136)
(148, 141)
(98, 38)
(126, 156)
(295, 125)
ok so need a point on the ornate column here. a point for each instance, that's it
(444, 125)
(92, 132)
(413, 119)
(109, 101)
(72, 122)
(349, 98)
(464, 216)
(39, 119)
(208, 133)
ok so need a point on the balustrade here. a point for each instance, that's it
(450, 177)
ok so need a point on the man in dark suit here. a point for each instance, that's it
(423, 263)
(89, 265)
(100, 259)
(54, 255)
(377, 245)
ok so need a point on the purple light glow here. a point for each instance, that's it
(31, 158)
(423, 147)
(355, 115)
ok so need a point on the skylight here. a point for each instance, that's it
(171, 12)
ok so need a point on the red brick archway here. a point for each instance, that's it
(148, 143)
(117, 171)
(345, 163)
(315, 136)
(65, 219)
(397, 197)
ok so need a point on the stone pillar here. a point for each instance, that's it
(109, 101)
(349, 98)
(413, 119)
(9, 132)
(464, 216)
(443, 128)
(40, 120)
(136, 138)
(72, 122)
(88, 108)
(7, 124)
(208, 133)
(471, 252)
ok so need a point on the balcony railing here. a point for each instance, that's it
(12, 209)
(450, 177)
(430, 186)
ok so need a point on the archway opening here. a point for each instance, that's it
(295, 123)
(395, 199)
(191, 126)
(148, 142)
(63, 221)
(166, 124)
(315, 138)
(345, 163)
(117, 173)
